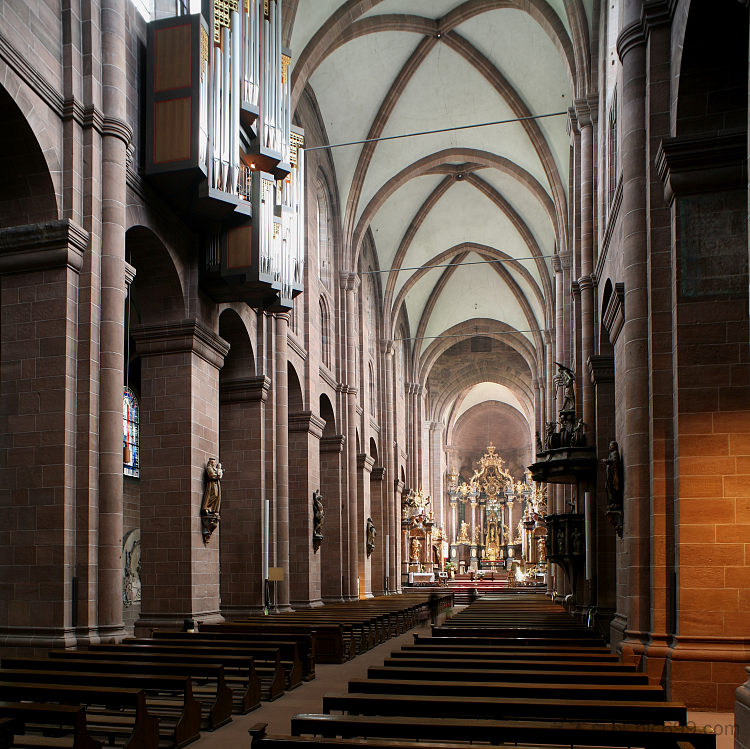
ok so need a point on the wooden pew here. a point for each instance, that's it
(179, 715)
(268, 660)
(500, 731)
(478, 654)
(329, 645)
(21, 718)
(531, 691)
(129, 714)
(507, 708)
(446, 672)
(304, 642)
(239, 671)
(210, 688)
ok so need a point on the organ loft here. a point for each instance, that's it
(310, 307)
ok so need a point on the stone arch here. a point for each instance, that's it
(295, 397)
(374, 450)
(328, 415)
(240, 362)
(27, 192)
(157, 293)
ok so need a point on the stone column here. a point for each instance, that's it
(634, 565)
(396, 538)
(116, 135)
(39, 277)
(242, 454)
(364, 511)
(180, 365)
(305, 432)
(586, 114)
(379, 500)
(281, 510)
(391, 507)
(332, 550)
(349, 285)
(436, 472)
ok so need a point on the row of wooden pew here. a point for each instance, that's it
(161, 691)
(507, 669)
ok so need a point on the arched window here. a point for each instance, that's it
(325, 335)
(131, 451)
(324, 239)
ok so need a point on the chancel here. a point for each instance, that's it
(312, 309)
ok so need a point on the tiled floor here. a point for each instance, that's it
(307, 698)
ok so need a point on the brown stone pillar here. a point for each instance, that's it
(634, 564)
(305, 432)
(180, 365)
(350, 284)
(586, 114)
(332, 550)
(39, 267)
(379, 499)
(242, 454)
(391, 508)
(364, 469)
(281, 508)
(116, 134)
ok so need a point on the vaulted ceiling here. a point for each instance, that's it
(464, 222)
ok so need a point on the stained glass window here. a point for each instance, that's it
(131, 454)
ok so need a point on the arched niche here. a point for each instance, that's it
(240, 362)
(27, 194)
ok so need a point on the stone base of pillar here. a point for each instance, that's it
(25, 641)
(149, 622)
(314, 604)
(232, 613)
(111, 633)
(704, 672)
(617, 631)
(333, 599)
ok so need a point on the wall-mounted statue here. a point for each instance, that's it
(319, 515)
(370, 534)
(565, 378)
(416, 549)
(614, 487)
(211, 504)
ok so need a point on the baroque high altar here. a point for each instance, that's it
(493, 518)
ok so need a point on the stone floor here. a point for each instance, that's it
(307, 698)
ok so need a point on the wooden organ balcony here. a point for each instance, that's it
(221, 148)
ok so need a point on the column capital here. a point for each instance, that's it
(388, 347)
(184, 336)
(333, 444)
(601, 368)
(571, 124)
(586, 282)
(614, 314)
(584, 113)
(115, 127)
(365, 462)
(349, 281)
(245, 390)
(50, 244)
(565, 260)
(630, 37)
(307, 421)
(575, 289)
(130, 273)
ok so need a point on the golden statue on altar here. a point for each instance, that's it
(492, 542)
(463, 534)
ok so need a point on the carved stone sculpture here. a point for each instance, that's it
(319, 515)
(370, 536)
(211, 504)
(416, 549)
(614, 487)
(565, 378)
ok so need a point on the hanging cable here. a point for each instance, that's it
(469, 335)
(435, 132)
(456, 265)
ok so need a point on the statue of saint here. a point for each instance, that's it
(613, 476)
(566, 379)
(463, 534)
(416, 549)
(319, 515)
(212, 494)
(370, 534)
